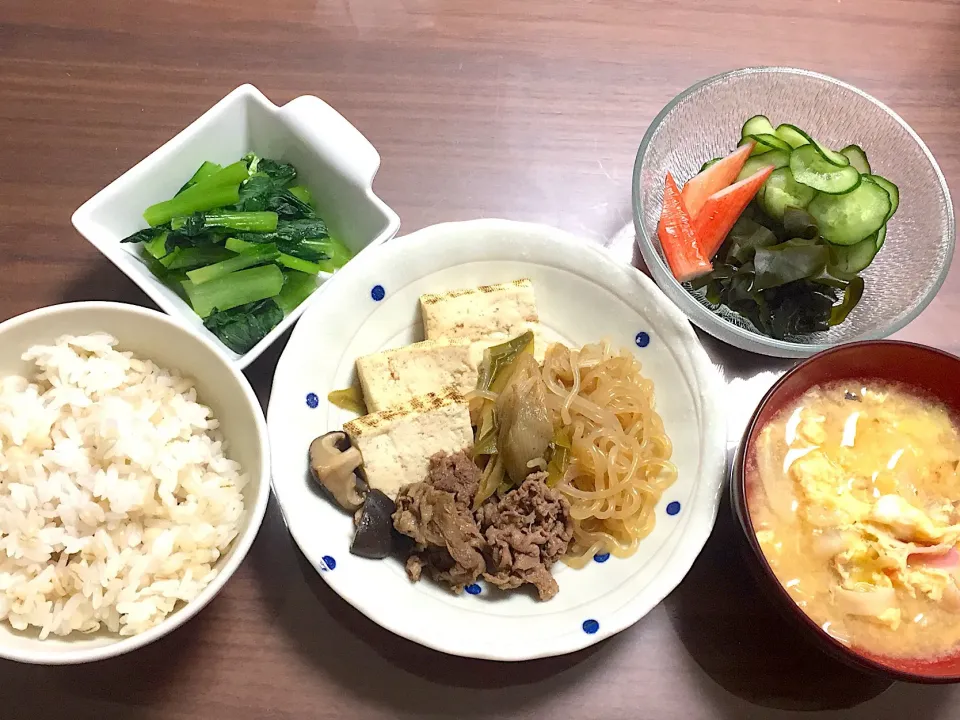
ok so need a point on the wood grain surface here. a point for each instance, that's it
(529, 110)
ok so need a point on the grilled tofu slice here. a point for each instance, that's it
(394, 377)
(397, 444)
(489, 312)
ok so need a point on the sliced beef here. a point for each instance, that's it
(457, 474)
(414, 567)
(436, 514)
(526, 532)
(509, 541)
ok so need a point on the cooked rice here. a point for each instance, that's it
(116, 498)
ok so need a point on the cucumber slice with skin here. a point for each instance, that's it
(708, 163)
(857, 158)
(892, 190)
(811, 168)
(777, 158)
(782, 190)
(829, 155)
(757, 125)
(759, 148)
(792, 135)
(851, 259)
(848, 219)
(765, 143)
(881, 237)
(834, 158)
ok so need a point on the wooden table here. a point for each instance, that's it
(526, 110)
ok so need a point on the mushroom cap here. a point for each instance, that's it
(335, 465)
(375, 534)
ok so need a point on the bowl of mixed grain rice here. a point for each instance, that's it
(133, 479)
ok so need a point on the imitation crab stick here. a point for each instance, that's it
(677, 238)
(715, 178)
(721, 210)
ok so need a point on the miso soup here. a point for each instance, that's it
(855, 497)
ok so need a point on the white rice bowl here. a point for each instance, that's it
(116, 495)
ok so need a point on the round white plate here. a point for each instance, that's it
(583, 296)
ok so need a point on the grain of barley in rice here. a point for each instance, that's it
(116, 495)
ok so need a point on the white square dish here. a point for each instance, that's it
(332, 158)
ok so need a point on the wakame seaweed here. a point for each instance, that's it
(774, 276)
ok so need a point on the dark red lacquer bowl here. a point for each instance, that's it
(931, 372)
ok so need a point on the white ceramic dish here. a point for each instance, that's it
(219, 384)
(331, 156)
(583, 296)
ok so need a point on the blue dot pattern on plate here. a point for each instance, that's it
(642, 339)
(590, 627)
(601, 557)
(328, 563)
(378, 293)
(673, 508)
(312, 400)
(473, 589)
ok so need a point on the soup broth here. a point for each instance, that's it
(855, 498)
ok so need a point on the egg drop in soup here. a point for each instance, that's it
(855, 498)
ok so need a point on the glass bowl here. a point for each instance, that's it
(704, 121)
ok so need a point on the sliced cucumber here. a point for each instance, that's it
(708, 163)
(765, 143)
(892, 190)
(857, 158)
(777, 158)
(810, 167)
(829, 155)
(792, 135)
(757, 125)
(759, 148)
(844, 261)
(848, 219)
(782, 190)
(881, 237)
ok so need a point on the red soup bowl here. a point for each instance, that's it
(932, 373)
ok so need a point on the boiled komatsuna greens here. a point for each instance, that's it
(243, 244)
